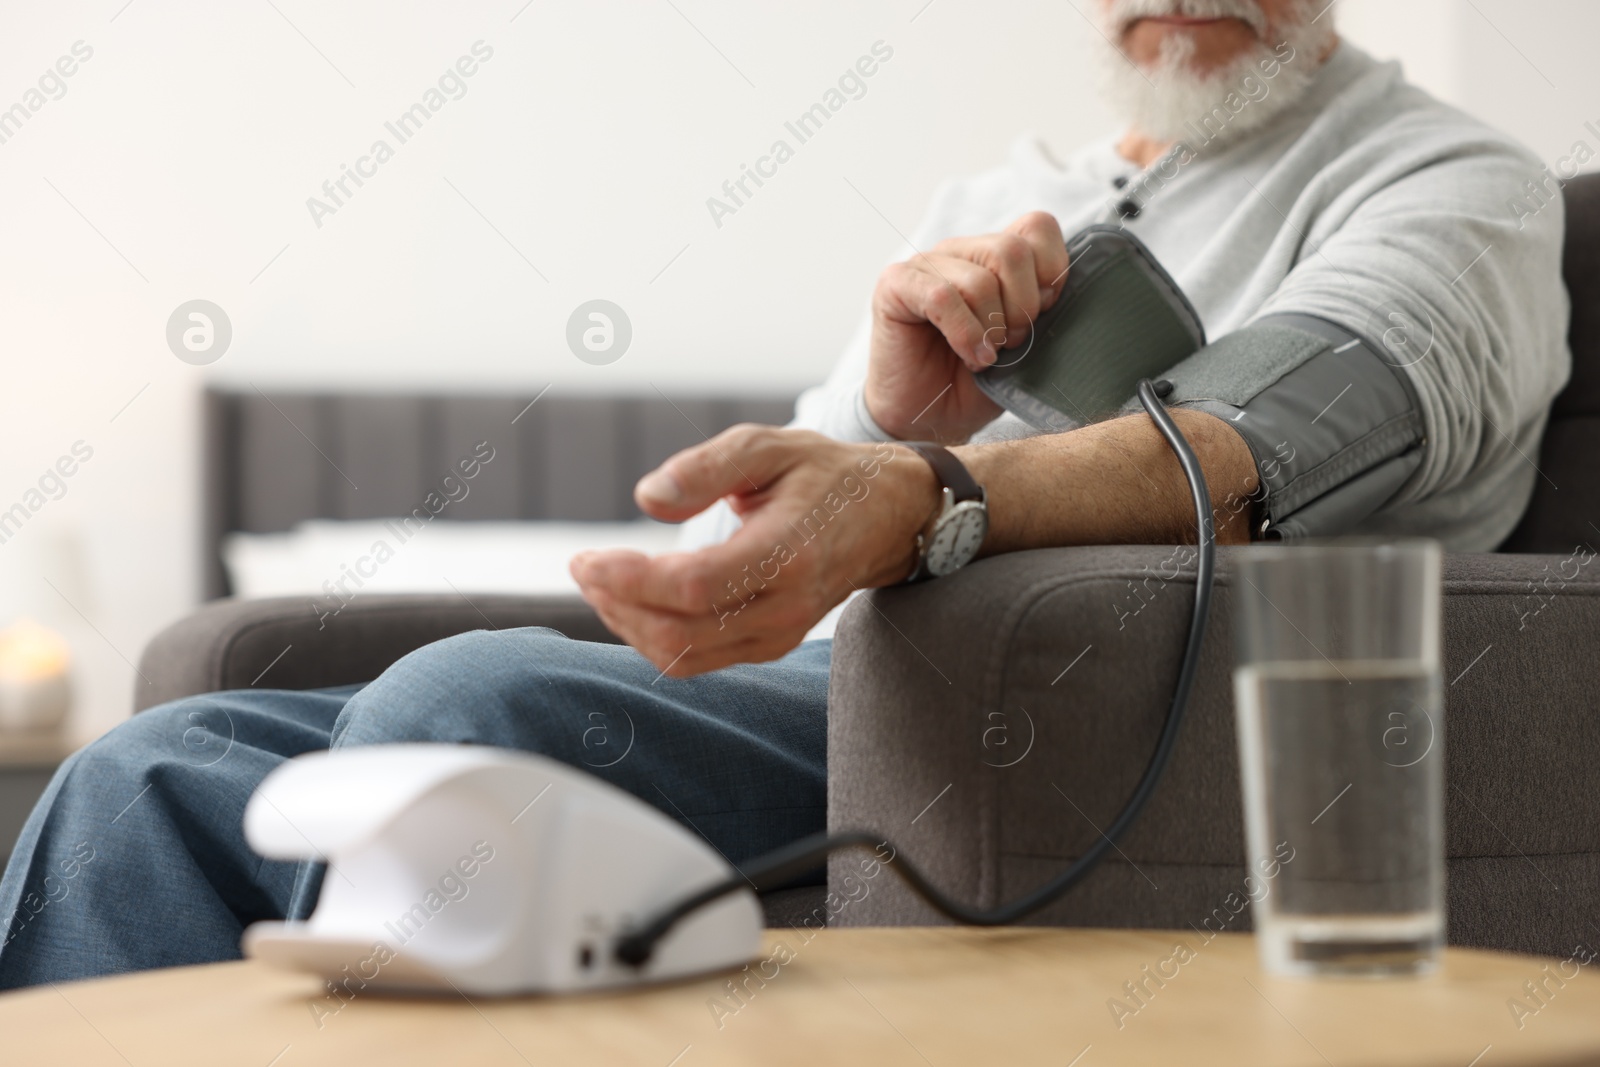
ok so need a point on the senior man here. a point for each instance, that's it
(1348, 240)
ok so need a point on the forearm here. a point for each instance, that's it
(823, 518)
(1113, 482)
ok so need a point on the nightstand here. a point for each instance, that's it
(26, 763)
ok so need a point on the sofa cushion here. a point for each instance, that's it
(1566, 499)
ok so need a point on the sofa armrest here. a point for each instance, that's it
(990, 723)
(282, 643)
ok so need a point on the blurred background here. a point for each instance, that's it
(574, 164)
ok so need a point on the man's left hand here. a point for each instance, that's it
(821, 519)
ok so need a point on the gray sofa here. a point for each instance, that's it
(988, 723)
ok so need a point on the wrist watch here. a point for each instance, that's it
(955, 531)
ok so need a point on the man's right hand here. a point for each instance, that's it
(942, 315)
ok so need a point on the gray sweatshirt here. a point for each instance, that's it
(1369, 204)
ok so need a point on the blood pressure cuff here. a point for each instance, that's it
(1332, 420)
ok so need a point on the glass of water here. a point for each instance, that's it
(1341, 753)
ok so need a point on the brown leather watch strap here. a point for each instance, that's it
(950, 470)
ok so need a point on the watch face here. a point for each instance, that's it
(957, 537)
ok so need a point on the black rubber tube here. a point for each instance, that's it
(782, 865)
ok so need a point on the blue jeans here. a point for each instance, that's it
(135, 857)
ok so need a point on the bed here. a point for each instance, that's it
(296, 484)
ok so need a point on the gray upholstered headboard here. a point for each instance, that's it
(273, 459)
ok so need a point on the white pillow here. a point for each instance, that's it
(381, 555)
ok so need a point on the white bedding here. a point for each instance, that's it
(442, 557)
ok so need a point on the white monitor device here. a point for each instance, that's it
(483, 870)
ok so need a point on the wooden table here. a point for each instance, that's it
(881, 996)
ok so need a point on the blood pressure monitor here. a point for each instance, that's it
(1119, 318)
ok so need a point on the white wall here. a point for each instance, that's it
(1526, 66)
(178, 164)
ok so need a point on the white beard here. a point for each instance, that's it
(1169, 101)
